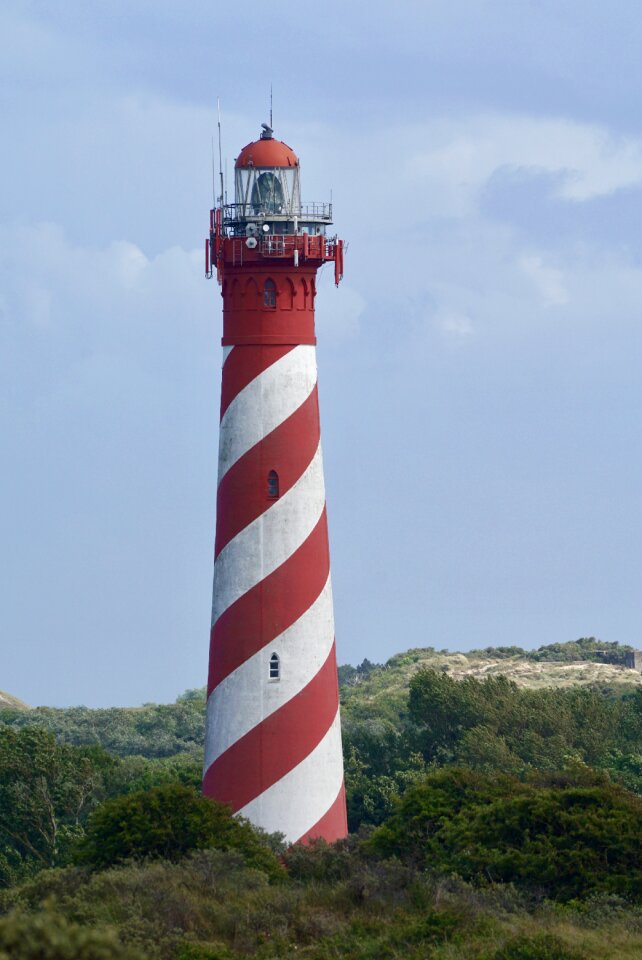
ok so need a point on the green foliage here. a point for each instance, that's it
(565, 840)
(168, 822)
(49, 936)
(379, 765)
(497, 653)
(153, 731)
(340, 901)
(46, 790)
(130, 774)
(350, 676)
(494, 724)
(540, 947)
(586, 648)
(484, 796)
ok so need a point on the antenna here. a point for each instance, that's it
(213, 176)
(220, 155)
(271, 124)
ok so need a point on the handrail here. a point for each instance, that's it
(235, 212)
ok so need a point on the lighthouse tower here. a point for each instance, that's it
(273, 738)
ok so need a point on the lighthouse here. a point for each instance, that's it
(273, 735)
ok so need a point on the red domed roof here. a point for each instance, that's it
(267, 152)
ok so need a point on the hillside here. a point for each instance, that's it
(383, 688)
(7, 701)
(489, 820)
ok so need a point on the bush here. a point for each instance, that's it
(168, 822)
(566, 841)
(48, 936)
(542, 947)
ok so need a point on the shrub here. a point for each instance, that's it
(48, 936)
(168, 822)
(540, 947)
(566, 841)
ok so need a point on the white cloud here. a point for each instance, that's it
(549, 281)
(461, 156)
(454, 324)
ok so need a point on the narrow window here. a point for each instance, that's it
(269, 294)
(273, 485)
(275, 667)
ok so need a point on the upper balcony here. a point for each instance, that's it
(275, 218)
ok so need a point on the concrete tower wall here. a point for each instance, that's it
(273, 746)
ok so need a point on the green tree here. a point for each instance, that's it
(568, 840)
(46, 790)
(168, 822)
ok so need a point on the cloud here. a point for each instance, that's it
(548, 280)
(463, 155)
(454, 324)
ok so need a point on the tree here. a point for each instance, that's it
(46, 790)
(567, 840)
(168, 822)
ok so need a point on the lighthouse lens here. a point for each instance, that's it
(267, 195)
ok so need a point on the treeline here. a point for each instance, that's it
(489, 725)
(153, 730)
(488, 822)
(586, 648)
(470, 866)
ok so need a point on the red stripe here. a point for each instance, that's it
(333, 825)
(288, 449)
(271, 606)
(278, 744)
(244, 364)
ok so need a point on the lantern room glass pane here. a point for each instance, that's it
(267, 194)
(263, 193)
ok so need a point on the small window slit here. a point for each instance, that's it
(273, 485)
(275, 667)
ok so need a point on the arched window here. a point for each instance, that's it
(273, 485)
(269, 294)
(275, 667)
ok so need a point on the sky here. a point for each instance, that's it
(479, 366)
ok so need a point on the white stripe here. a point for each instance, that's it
(299, 799)
(226, 352)
(269, 540)
(265, 403)
(247, 696)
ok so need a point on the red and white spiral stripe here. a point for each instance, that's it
(273, 747)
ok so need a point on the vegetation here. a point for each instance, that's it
(561, 838)
(153, 731)
(167, 823)
(490, 821)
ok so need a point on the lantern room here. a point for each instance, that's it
(268, 192)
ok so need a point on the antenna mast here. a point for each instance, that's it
(213, 176)
(220, 154)
(271, 124)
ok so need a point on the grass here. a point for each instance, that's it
(385, 690)
(211, 906)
